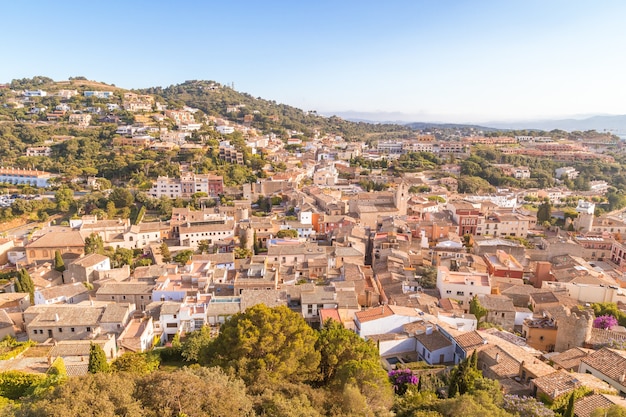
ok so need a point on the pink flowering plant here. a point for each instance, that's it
(401, 379)
(605, 322)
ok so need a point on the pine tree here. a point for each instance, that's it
(59, 263)
(97, 360)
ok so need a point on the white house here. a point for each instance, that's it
(170, 320)
(138, 335)
(609, 365)
(384, 319)
(434, 348)
(72, 293)
(462, 286)
(191, 235)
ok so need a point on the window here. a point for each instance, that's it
(88, 329)
(174, 315)
(502, 315)
(540, 337)
(60, 330)
(35, 331)
(460, 293)
(448, 292)
(72, 329)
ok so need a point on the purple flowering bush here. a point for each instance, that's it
(605, 322)
(525, 406)
(401, 379)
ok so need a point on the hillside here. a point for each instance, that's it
(268, 116)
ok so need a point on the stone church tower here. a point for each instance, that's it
(584, 222)
(401, 198)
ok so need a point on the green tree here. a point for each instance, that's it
(203, 246)
(242, 253)
(183, 256)
(121, 197)
(96, 395)
(569, 411)
(136, 363)
(111, 210)
(94, 244)
(97, 360)
(165, 252)
(24, 283)
(337, 346)
(59, 264)
(64, 198)
(195, 344)
(463, 378)
(612, 411)
(194, 392)
(274, 343)
(121, 257)
(371, 380)
(16, 384)
(290, 233)
(544, 212)
(477, 309)
(429, 277)
(58, 367)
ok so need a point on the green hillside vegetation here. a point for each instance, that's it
(269, 116)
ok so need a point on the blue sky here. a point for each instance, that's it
(421, 60)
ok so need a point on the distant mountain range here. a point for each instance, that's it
(615, 124)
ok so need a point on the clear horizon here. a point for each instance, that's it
(446, 61)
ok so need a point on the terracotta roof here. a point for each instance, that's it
(373, 314)
(470, 340)
(125, 288)
(570, 359)
(585, 406)
(90, 260)
(64, 315)
(329, 313)
(557, 384)
(609, 362)
(77, 370)
(544, 298)
(433, 341)
(66, 290)
(506, 366)
(58, 239)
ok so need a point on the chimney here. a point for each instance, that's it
(56, 317)
(498, 357)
